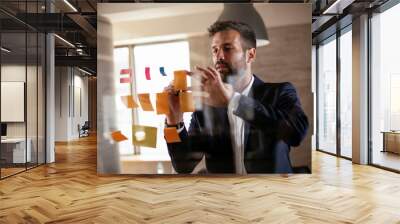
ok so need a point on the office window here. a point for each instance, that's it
(385, 88)
(327, 96)
(172, 56)
(346, 93)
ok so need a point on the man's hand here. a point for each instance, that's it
(175, 116)
(218, 92)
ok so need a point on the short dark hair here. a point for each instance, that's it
(246, 32)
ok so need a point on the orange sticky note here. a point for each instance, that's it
(162, 103)
(186, 102)
(180, 80)
(129, 101)
(171, 135)
(118, 136)
(145, 102)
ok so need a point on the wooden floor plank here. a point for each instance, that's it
(70, 191)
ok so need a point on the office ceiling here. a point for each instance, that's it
(78, 24)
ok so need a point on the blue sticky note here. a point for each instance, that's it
(162, 71)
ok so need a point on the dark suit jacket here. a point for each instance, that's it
(273, 121)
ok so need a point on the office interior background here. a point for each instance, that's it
(48, 84)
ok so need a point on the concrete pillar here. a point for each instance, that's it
(360, 90)
(50, 99)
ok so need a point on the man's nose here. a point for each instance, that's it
(220, 55)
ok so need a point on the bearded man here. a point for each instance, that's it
(246, 125)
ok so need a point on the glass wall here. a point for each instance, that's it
(345, 59)
(22, 89)
(334, 94)
(385, 88)
(326, 61)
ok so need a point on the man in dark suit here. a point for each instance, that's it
(246, 125)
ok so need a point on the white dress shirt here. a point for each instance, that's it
(237, 129)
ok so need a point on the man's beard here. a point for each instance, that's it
(229, 74)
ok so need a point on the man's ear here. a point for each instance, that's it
(251, 55)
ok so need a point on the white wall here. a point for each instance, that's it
(16, 73)
(33, 126)
(69, 82)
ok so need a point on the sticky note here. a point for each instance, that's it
(147, 73)
(125, 71)
(125, 75)
(171, 135)
(186, 102)
(162, 71)
(129, 101)
(144, 136)
(118, 136)
(180, 80)
(162, 103)
(145, 102)
(125, 80)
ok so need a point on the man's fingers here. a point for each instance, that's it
(207, 72)
(170, 90)
(215, 72)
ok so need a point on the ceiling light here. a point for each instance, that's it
(64, 40)
(337, 7)
(246, 13)
(70, 5)
(5, 50)
(84, 71)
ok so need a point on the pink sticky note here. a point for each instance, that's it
(125, 80)
(125, 71)
(147, 72)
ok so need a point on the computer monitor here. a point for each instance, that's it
(3, 130)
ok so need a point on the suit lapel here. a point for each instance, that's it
(252, 94)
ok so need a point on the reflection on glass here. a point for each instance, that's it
(346, 94)
(124, 120)
(385, 87)
(327, 96)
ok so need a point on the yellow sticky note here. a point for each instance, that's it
(118, 136)
(171, 135)
(144, 136)
(186, 102)
(145, 102)
(180, 80)
(129, 101)
(162, 103)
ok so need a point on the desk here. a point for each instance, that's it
(391, 141)
(13, 150)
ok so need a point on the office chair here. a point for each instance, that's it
(84, 130)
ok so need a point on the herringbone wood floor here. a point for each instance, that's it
(70, 191)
